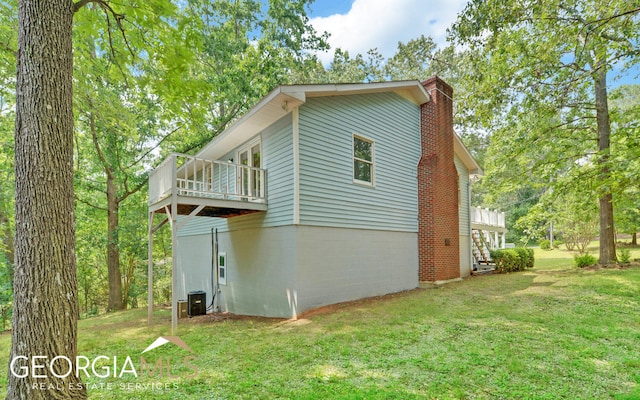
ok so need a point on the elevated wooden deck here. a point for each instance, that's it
(186, 205)
(206, 188)
(484, 219)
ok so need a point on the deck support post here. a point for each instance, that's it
(196, 195)
(150, 271)
(173, 221)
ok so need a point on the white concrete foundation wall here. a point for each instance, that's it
(338, 264)
(465, 256)
(283, 271)
(194, 265)
(260, 270)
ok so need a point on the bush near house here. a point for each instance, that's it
(512, 260)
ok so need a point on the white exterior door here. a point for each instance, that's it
(249, 179)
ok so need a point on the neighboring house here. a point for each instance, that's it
(321, 194)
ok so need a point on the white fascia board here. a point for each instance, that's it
(465, 156)
(270, 109)
(411, 90)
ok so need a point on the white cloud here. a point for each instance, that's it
(383, 23)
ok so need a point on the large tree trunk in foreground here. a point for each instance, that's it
(45, 309)
(634, 239)
(607, 232)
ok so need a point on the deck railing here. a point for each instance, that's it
(484, 216)
(198, 177)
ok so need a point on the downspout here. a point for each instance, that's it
(215, 290)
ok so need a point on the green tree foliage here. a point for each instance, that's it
(625, 106)
(533, 225)
(231, 53)
(344, 69)
(571, 209)
(119, 120)
(8, 49)
(576, 219)
(542, 68)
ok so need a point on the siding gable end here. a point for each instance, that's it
(328, 194)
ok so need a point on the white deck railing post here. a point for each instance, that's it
(485, 216)
(186, 175)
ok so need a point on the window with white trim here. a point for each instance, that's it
(363, 160)
(222, 268)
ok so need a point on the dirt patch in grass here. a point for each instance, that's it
(611, 266)
(328, 309)
(226, 316)
(332, 308)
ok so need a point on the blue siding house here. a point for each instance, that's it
(309, 199)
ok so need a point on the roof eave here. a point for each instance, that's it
(280, 101)
(465, 156)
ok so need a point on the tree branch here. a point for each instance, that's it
(108, 10)
(89, 204)
(134, 190)
(77, 6)
(96, 143)
(155, 147)
(612, 17)
(6, 47)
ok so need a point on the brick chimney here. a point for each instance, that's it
(438, 232)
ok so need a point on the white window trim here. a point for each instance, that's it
(246, 147)
(223, 280)
(372, 162)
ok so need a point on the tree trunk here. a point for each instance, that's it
(634, 239)
(45, 311)
(113, 208)
(113, 247)
(607, 232)
(129, 276)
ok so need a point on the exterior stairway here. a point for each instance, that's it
(481, 254)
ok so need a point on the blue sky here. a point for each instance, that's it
(325, 8)
(360, 25)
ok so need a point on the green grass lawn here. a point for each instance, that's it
(548, 333)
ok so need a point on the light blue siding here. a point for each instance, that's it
(277, 159)
(328, 195)
(463, 211)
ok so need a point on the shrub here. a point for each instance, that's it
(557, 243)
(584, 260)
(624, 255)
(526, 255)
(512, 260)
(545, 244)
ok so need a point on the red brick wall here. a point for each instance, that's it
(438, 233)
